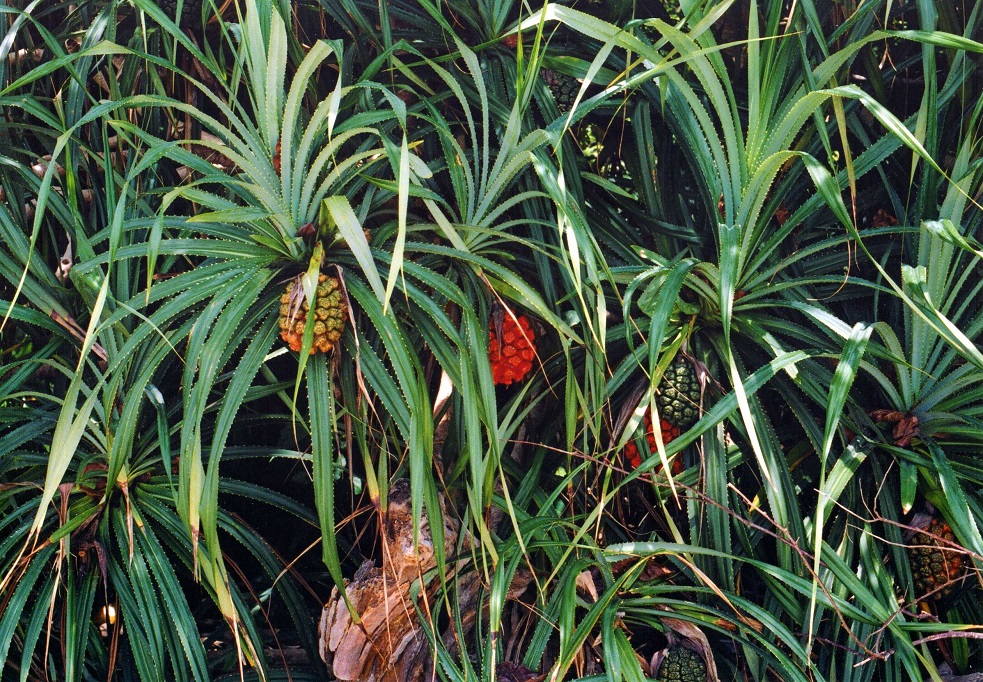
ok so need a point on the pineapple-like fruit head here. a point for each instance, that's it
(190, 12)
(563, 87)
(688, 658)
(681, 664)
(512, 355)
(669, 433)
(678, 395)
(330, 311)
(936, 565)
(611, 11)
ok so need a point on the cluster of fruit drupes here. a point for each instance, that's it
(511, 354)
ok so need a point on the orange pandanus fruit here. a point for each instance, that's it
(511, 356)
(936, 564)
(669, 433)
(329, 314)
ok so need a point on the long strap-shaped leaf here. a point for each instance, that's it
(846, 371)
(320, 396)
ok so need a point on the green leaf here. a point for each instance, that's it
(320, 395)
(344, 218)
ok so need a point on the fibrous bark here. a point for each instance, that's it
(389, 644)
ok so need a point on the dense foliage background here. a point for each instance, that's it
(783, 195)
